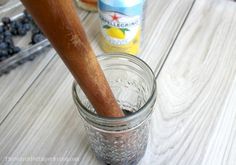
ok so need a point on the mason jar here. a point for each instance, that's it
(121, 140)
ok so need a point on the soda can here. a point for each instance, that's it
(121, 24)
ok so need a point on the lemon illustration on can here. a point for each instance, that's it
(114, 32)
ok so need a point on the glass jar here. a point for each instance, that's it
(121, 140)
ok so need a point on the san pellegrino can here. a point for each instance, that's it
(121, 25)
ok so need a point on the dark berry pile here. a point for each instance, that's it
(19, 27)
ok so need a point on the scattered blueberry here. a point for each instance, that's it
(16, 49)
(6, 20)
(10, 51)
(18, 25)
(27, 15)
(14, 32)
(21, 62)
(3, 53)
(7, 34)
(37, 38)
(22, 31)
(31, 58)
(35, 31)
(27, 26)
(1, 29)
(3, 45)
(25, 20)
(8, 40)
(13, 24)
(6, 28)
(1, 38)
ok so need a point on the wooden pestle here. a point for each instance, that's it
(59, 22)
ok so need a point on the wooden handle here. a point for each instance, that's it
(59, 22)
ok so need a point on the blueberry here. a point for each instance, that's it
(31, 58)
(6, 20)
(9, 41)
(18, 25)
(3, 53)
(10, 51)
(27, 26)
(22, 31)
(27, 15)
(37, 38)
(3, 45)
(13, 25)
(14, 32)
(16, 49)
(35, 31)
(21, 62)
(7, 34)
(5, 28)
(1, 29)
(1, 38)
(20, 20)
(25, 20)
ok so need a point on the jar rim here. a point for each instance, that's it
(141, 110)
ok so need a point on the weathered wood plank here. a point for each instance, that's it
(11, 8)
(161, 33)
(195, 118)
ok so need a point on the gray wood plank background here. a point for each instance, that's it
(194, 117)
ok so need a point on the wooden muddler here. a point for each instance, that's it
(59, 22)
